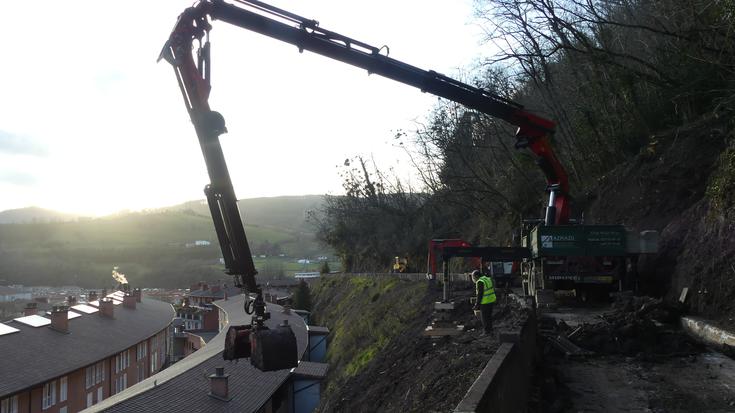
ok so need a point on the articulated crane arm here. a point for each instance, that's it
(193, 26)
(193, 74)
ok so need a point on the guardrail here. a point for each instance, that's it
(414, 276)
(505, 383)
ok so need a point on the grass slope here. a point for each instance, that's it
(150, 247)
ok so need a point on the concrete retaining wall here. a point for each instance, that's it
(709, 334)
(505, 383)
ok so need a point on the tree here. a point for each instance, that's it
(302, 297)
(325, 268)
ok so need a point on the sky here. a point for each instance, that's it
(91, 124)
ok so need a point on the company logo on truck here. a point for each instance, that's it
(547, 241)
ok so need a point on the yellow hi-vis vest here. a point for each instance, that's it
(488, 291)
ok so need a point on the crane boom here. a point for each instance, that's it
(306, 34)
(193, 73)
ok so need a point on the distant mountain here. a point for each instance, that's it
(287, 213)
(156, 247)
(34, 214)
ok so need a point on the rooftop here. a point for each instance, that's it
(27, 360)
(184, 386)
(218, 294)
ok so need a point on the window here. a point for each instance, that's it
(154, 361)
(142, 350)
(122, 361)
(141, 372)
(99, 372)
(49, 394)
(63, 410)
(9, 405)
(62, 389)
(94, 374)
(121, 383)
(89, 377)
(90, 399)
(99, 394)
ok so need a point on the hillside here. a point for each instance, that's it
(283, 212)
(153, 248)
(378, 358)
(681, 186)
(33, 214)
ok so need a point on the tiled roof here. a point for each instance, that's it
(319, 330)
(38, 354)
(311, 370)
(184, 386)
(207, 336)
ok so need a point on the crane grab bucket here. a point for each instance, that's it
(268, 349)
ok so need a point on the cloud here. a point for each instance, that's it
(20, 145)
(18, 178)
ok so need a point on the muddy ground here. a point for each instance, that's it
(414, 373)
(631, 370)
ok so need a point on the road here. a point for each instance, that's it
(699, 382)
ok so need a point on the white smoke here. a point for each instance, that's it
(119, 277)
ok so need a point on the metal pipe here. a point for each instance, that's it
(445, 278)
(551, 208)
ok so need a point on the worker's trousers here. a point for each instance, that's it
(486, 315)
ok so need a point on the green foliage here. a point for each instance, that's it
(721, 188)
(302, 297)
(367, 227)
(325, 268)
(363, 315)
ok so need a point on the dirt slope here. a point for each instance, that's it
(379, 361)
(682, 185)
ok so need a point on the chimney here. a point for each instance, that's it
(129, 301)
(136, 292)
(107, 308)
(218, 384)
(92, 296)
(60, 318)
(30, 309)
(71, 300)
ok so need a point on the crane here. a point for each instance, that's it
(188, 51)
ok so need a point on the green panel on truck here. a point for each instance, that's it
(578, 240)
(558, 240)
(606, 240)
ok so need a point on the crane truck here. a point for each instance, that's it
(553, 242)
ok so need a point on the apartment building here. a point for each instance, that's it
(77, 355)
(204, 382)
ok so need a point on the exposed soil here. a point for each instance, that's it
(665, 188)
(414, 373)
(641, 363)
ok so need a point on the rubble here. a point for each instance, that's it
(636, 326)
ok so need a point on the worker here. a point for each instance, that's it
(485, 299)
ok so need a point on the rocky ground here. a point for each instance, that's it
(634, 359)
